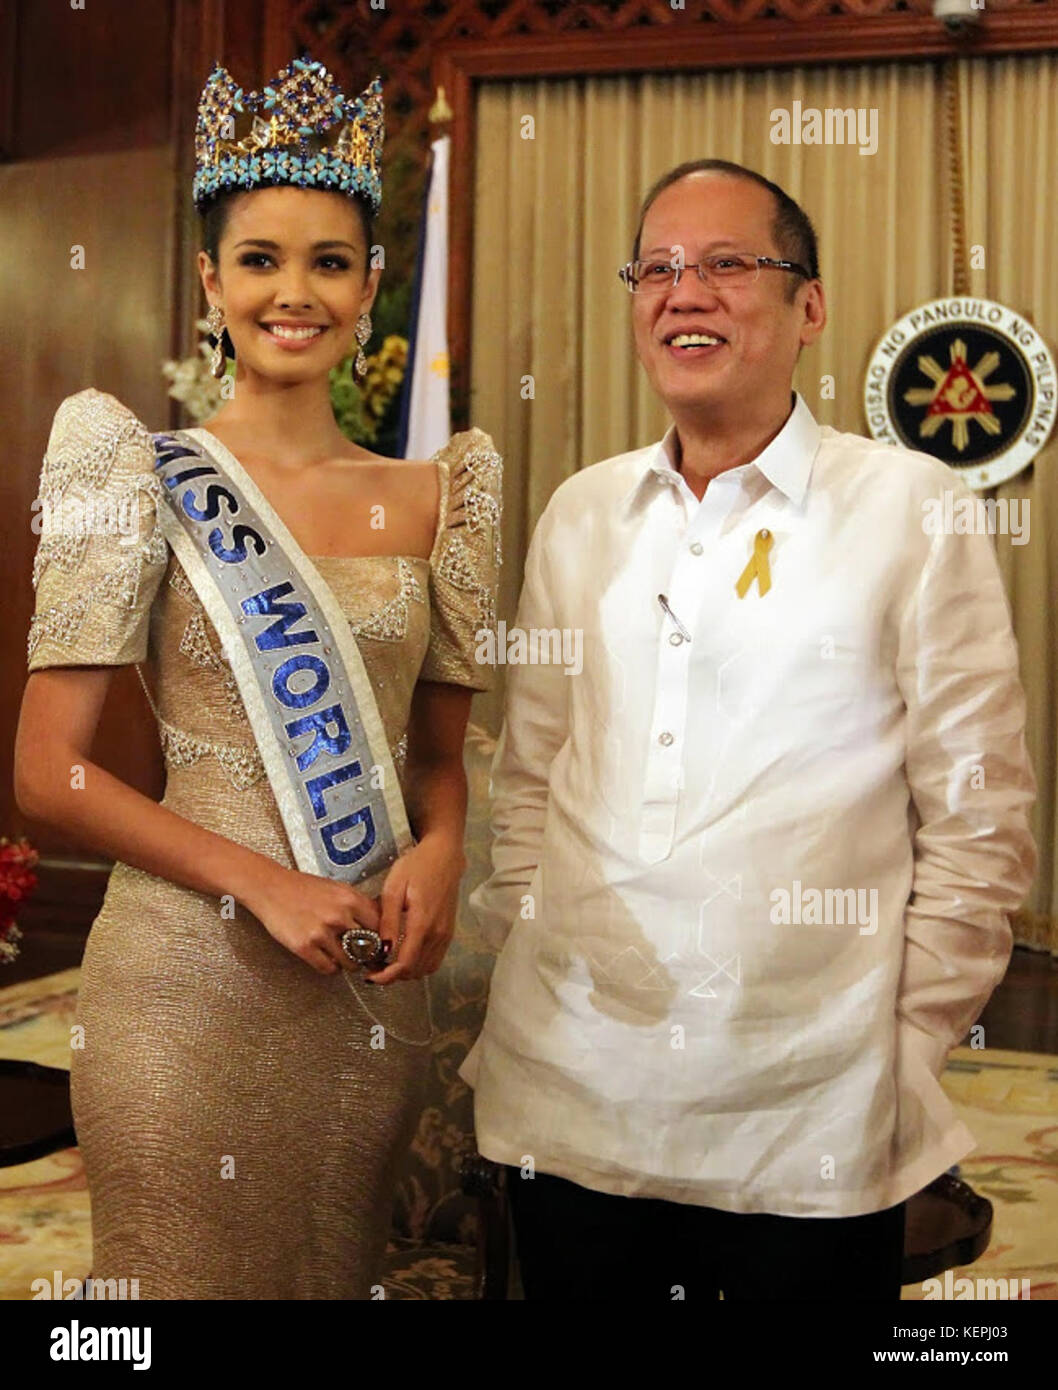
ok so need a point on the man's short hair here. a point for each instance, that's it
(793, 232)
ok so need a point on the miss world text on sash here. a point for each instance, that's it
(303, 683)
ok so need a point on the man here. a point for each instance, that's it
(756, 860)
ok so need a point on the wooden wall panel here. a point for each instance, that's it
(63, 329)
(90, 80)
(88, 138)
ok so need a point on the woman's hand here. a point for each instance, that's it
(308, 914)
(423, 887)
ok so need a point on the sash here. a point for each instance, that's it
(294, 658)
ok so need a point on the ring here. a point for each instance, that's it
(365, 948)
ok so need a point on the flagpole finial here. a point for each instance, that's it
(440, 112)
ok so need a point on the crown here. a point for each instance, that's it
(290, 139)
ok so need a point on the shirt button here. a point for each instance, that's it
(696, 548)
(675, 638)
(665, 739)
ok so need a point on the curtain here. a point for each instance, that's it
(561, 168)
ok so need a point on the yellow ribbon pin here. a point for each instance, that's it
(758, 567)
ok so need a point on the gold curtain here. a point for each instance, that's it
(561, 168)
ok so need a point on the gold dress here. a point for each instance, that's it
(241, 1136)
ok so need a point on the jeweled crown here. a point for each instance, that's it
(302, 130)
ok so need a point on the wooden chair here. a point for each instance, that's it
(35, 1116)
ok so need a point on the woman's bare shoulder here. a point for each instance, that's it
(409, 475)
(384, 461)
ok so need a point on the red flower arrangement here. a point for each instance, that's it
(17, 882)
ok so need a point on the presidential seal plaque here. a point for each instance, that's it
(967, 380)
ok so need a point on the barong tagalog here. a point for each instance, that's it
(299, 671)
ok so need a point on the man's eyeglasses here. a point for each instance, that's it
(727, 268)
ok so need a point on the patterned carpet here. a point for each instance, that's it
(1009, 1100)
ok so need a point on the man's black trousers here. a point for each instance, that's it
(574, 1243)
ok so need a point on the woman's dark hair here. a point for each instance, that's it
(794, 234)
(215, 219)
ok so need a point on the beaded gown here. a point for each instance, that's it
(241, 1137)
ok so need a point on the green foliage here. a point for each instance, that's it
(347, 402)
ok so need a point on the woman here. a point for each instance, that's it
(242, 1103)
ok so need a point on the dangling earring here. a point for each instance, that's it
(215, 327)
(363, 333)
